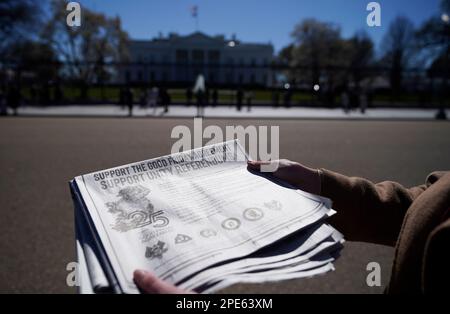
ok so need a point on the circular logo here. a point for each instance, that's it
(207, 233)
(231, 223)
(253, 214)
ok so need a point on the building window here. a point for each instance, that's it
(212, 77)
(182, 56)
(214, 56)
(241, 78)
(229, 77)
(198, 56)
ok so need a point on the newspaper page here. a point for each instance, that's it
(311, 263)
(177, 215)
(284, 252)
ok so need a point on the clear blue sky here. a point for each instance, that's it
(255, 20)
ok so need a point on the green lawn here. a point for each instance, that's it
(110, 94)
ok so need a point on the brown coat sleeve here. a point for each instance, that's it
(369, 212)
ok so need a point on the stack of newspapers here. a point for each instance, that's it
(198, 219)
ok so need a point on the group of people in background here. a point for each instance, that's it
(350, 100)
(150, 98)
(13, 96)
(198, 95)
(10, 98)
(201, 96)
(154, 97)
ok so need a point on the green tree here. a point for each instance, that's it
(36, 59)
(399, 46)
(318, 46)
(433, 38)
(360, 54)
(19, 21)
(285, 55)
(87, 50)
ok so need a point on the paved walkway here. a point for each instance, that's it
(231, 112)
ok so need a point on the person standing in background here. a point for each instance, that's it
(199, 91)
(128, 97)
(189, 96)
(164, 98)
(14, 99)
(152, 99)
(248, 99)
(239, 98)
(215, 97)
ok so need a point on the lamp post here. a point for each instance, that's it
(441, 114)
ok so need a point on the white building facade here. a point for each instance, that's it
(179, 59)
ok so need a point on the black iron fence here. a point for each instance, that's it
(226, 84)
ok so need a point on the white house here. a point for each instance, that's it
(181, 58)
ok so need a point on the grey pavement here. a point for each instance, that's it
(259, 112)
(39, 155)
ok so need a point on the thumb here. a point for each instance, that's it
(263, 166)
(151, 284)
(256, 164)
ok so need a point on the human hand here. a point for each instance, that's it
(150, 284)
(294, 173)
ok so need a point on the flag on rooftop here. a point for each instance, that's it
(194, 11)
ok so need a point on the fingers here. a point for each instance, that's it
(151, 284)
(263, 166)
(256, 165)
